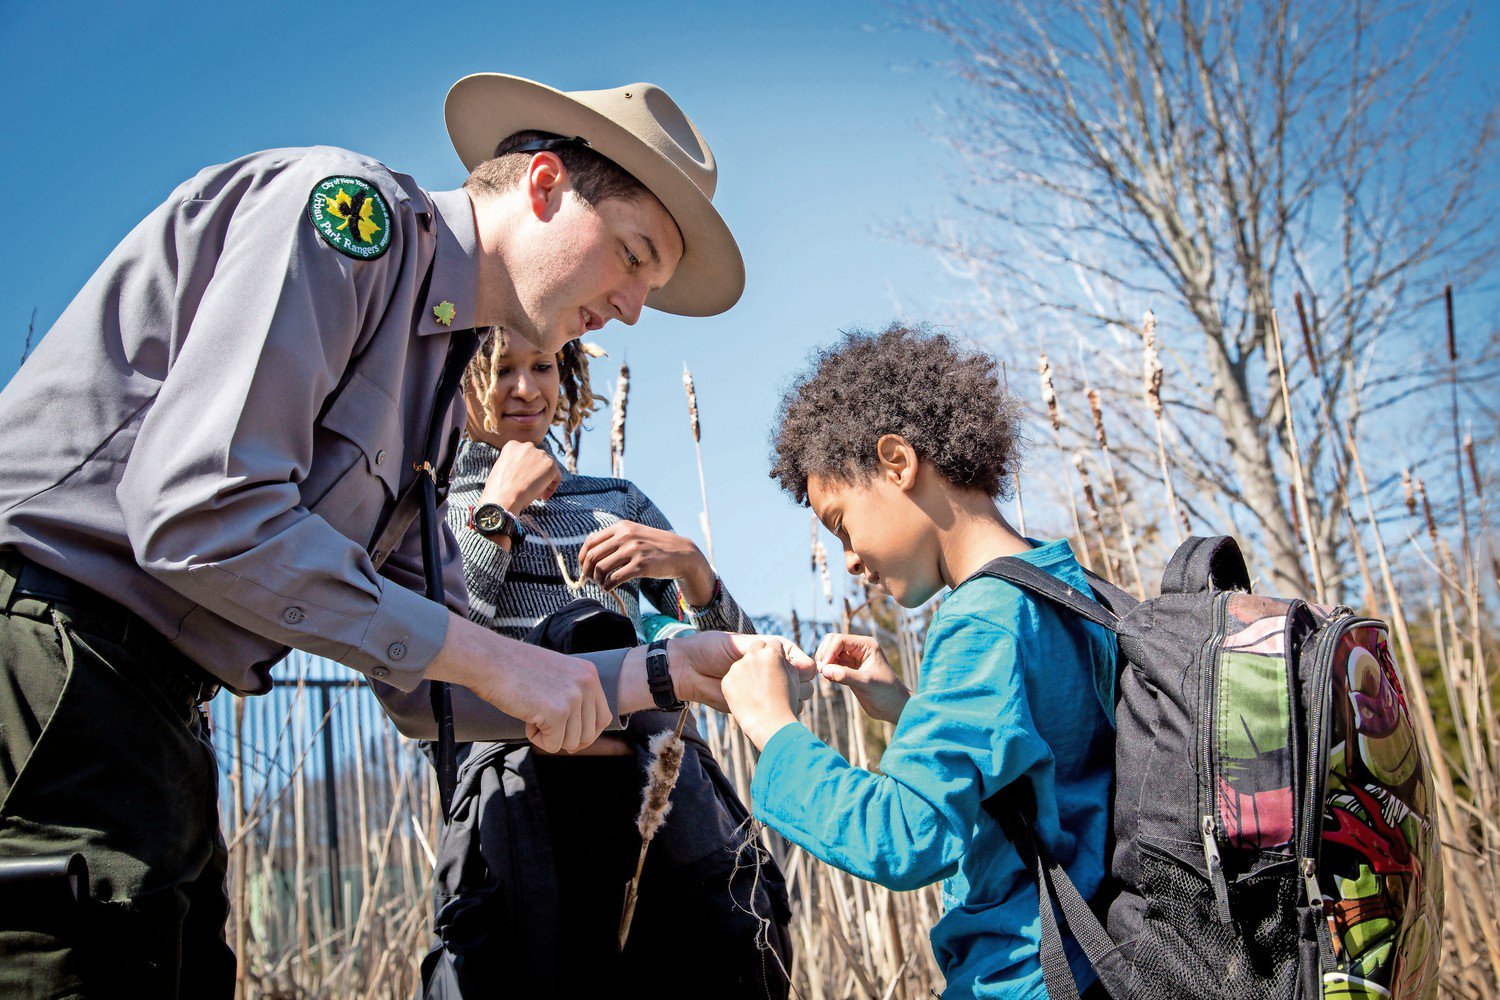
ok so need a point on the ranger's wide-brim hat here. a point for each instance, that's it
(644, 131)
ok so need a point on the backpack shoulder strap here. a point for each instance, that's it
(1203, 562)
(1012, 808)
(1039, 583)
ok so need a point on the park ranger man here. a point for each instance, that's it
(208, 459)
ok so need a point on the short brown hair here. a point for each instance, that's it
(594, 177)
(945, 400)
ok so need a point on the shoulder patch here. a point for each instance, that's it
(351, 216)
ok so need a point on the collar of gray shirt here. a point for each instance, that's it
(455, 264)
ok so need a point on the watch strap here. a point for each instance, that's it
(659, 678)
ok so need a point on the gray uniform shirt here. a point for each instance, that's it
(214, 429)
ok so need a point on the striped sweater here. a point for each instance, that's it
(509, 592)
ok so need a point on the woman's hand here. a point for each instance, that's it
(627, 551)
(763, 691)
(521, 475)
(856, 662)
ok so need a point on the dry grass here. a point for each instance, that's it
(855, 939)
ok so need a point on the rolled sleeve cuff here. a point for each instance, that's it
(402, 638)
(609, 663)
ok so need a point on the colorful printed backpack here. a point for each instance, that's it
(1274, 830)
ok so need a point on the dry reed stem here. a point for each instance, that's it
(1049, 398)
(1116, 492)
(1309, 531)
(1151, 381)
(692, 400)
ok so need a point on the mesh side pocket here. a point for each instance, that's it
(1184, 951)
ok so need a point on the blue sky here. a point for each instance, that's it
(819, 114)
(816, 113)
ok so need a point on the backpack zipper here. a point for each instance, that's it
(1208, 699)
(1339, 622)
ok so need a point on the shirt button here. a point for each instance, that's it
(380, 457)
(380, 671)
(293, 615)
(397, 650)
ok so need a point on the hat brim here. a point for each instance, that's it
(484, 108)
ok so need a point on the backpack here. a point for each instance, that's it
(1273, 816)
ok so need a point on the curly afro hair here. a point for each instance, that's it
(944, 400)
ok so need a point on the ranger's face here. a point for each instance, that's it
(583, 265)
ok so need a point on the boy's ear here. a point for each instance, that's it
(898, 460)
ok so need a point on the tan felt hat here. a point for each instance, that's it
(644, 131)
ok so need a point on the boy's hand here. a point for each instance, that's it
(856, 662)
(764, 692)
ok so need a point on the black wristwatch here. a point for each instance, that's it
(659, 680)
(492, 520)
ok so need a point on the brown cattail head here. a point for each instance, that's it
(617, 421)
(1409, 492)
(1098, 412)
(570, 450)
(661, 777)
(1049, 394)
(692, 397)
(1187, 526)
(1152, 358)
(1473, 466)
(1452, 340)
(1088, 484)
(796, 628)
(1432, 531)
(1291, 500)
(1308, 347)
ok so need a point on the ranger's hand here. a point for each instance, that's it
(558, 696)
(698, 662)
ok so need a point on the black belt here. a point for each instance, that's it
(179, 677)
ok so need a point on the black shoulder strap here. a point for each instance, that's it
(1012, 808)
(1203, 562)
(461, 347)
(1040, 583)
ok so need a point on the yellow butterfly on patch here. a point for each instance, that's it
(358, 209)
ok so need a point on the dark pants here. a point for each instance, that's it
(531, 881)
(101, 756)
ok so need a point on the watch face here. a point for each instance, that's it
(489, 517)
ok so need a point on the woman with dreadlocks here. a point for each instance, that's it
(533, 865)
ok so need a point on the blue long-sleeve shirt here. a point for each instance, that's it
(1010, 686)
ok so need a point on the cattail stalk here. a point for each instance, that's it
(1020, 499)
(1151, 385)
(661, 777)
(1117, 492)
(1297, 472)
(692, 401)
(1111, 568)
(1049, 397)
(617, 408)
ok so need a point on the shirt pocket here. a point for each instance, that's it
(356, 460)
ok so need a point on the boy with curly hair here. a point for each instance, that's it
(900, 441)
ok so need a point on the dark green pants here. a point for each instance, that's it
(97, 757)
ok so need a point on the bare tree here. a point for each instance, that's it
(1211, 161)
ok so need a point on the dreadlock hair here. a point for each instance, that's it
(576, 400)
